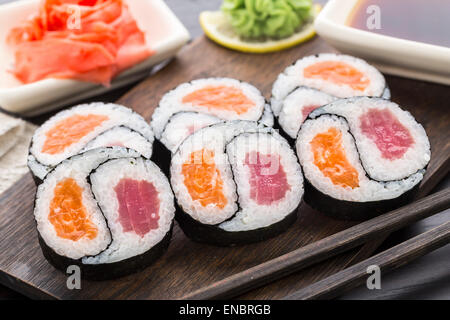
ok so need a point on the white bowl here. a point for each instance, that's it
(164, 33)
(391, 55)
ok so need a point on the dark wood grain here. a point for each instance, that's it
(188, 266)
(323, 249)
(426, 278)
(387, 261)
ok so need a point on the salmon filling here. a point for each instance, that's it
(138, 206)
(339, 73)
(330, 158)
(69, 131)
(220, 98)
(203, 180)
(89, 40)
(68, 214)
(268, 182)
(389, 135)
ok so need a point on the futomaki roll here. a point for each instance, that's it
(199, 103)
(341, 76)
(235, 182)
(361, 157)
(108, 210)
(87, 127)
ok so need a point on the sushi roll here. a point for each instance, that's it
(235, 182)
(341, 76)
(86, 127)
(108, 210)
(224, 98)
(199, 103)
(361, 157)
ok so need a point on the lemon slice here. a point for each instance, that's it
(216, 26)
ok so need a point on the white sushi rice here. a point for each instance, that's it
(38, 169)
(267, 118)
(129, 244)
(253, 215)
(293, 76)
(291, 116)
(368, 189)
(183, 124)
(122, 136)
(77, 168)
(216, 138)
(377, 167)
(172, 103)
(41, 163)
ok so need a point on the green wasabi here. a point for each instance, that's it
(260, 19)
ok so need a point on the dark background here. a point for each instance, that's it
(425, 278)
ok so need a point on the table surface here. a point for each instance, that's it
(425, 278)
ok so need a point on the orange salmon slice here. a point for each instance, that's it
(69, 131)
(220, 98)
(330, 158)
(67, 213)
(337, 72)
(203, 179)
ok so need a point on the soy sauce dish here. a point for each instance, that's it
(407, 38)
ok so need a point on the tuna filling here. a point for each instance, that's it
(138, 206)
(268, 182)
(389, 135)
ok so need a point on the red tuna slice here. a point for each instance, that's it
(124, 217)
(268, 181)
(391, 137)
(307, 110)
(138, 206)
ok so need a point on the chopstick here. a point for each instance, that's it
(303, 257)
(387, 261)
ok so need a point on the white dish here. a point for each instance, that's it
(391, 55)
(164, 33)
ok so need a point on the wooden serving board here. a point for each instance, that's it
(188, 266)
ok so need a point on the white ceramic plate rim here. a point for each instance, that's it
(394, 55)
